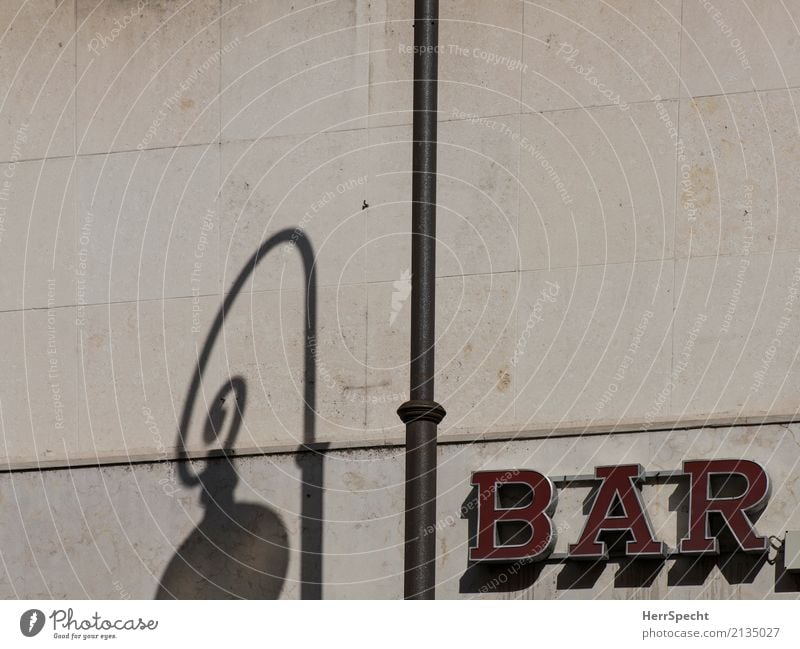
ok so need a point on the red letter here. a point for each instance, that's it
(732, 509)
(620, 484)
(536, 515)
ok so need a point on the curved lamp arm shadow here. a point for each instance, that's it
(311, 463)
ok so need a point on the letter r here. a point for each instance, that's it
(536, 517)
(732, 509)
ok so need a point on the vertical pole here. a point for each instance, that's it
(421, 413)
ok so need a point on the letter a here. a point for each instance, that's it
(619, 486)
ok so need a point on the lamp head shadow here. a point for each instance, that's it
(219, 478)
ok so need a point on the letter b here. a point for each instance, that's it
(535, 516)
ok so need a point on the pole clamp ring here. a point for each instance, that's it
(418, 409)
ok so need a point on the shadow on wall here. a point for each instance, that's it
(241, 550)
(237, 550)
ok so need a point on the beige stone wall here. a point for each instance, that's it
(618, 251)
(120, 531)
(617, 237)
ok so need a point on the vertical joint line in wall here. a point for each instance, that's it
(75, 96)
(369, 77)
(76, 221)
(518, 263)
(366, 355)
(518, 216)
(220, 269)
(522, 59)
(370, 200)
(219, 88)
(680, 55)
(677, 202)
(370, 175)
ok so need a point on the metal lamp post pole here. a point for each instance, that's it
(421, 413)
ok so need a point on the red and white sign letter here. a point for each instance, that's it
(733, 510)
(536, 515)
(620, 485)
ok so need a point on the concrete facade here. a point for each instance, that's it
(140, 531)
(619, 271)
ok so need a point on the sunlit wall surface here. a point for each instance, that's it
(204, 249)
